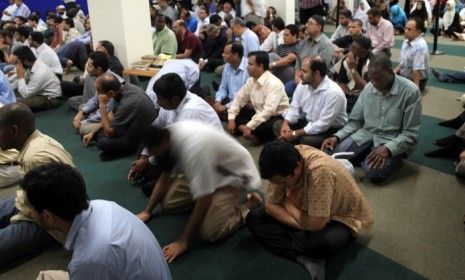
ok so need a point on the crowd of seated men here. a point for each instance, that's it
(291, 88)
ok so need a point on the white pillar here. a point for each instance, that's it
(285, 9)
(124, 23)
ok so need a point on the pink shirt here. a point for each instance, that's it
(382, 36)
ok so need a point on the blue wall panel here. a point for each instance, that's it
(42, 6)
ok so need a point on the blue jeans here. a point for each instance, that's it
(359, 157)
(456, 77)
(289, 87)
(19, 239)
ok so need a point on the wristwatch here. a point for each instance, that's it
(273, 63)
(294, 134)
(353, 71)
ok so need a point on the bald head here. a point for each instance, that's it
(16, 125)
(106, 83)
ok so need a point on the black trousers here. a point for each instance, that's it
(288, 242)
(71, 88)
(264, 132)
(116, 147)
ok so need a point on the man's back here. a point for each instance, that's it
(109, 242)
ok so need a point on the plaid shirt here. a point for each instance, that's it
(307, 4)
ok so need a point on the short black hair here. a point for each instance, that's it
(249, 24)
(356, 20)
(99, 60)
(346, 13)
(6, 34)
(374, 12)
(18, 114)
(24, 31)
(21, 18)
(58, 188)
(154, 135)
(58, 19)
(278, 23)
(236, 48)
(37, 37)
(170, 85)
(419, 23)
(293, 29)
(24, 53)
(34, 17)
(261, 58)
(278, 158)
(320, 20)
(318, 64)
(69, 21)
(215, 18)
(363, 41)
(108, 46)
(202, 7)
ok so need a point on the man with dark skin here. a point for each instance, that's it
(384, 123)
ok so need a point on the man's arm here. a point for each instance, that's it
(282, 215)
(284, 61)
(186, 54)
(178, 247)
(332, 108)
(105, 118)
(158, 193)
(274, 94)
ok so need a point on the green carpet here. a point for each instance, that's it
(239, 257)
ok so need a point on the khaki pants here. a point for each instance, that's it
(87, 127)
(39, 102)
(53, 275)
(224, 216)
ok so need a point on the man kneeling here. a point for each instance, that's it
(218, 171)
(313, 206)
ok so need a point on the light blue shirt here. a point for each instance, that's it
(109, 242)
(231, 81)
(22, 11)
(7, 95)
(249, 41)
(414, 55)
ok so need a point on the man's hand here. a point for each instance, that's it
(219, 108)
(231, 127)
(377, 157)
(246, 131)
(87, 138)
(329, 143)
(20, 71)
(103, 99)
(77, 120)
(137, 167)
(351, 61)
(286, 133)
(175, 249)
(144, 216)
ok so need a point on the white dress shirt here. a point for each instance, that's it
(49, 57)
(211, 159)
(200, 24)
(272, 41)
(323, 107)
(42, 81)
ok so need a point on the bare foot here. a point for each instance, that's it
(253, 140)
(69, 64)
(253, 200)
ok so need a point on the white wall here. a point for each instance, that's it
(125, 23)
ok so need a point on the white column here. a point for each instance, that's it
(285, 9)
(124, 23)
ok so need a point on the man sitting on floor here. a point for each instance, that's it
(42, 89)
(132, 110)
(313, 206)
(259, 103)
(125, 249)
(414, 56)
(384, 124)
(233, 78)
(318, 108)
(164, 40)
(18, 234)
(216, 180)
(45, 53)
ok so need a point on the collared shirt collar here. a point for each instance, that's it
(414, 41)
(243, 65)
(394, 89)
(261, 81)
(322, 87)
(317, 39)
(76, 226)
(183, 102)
